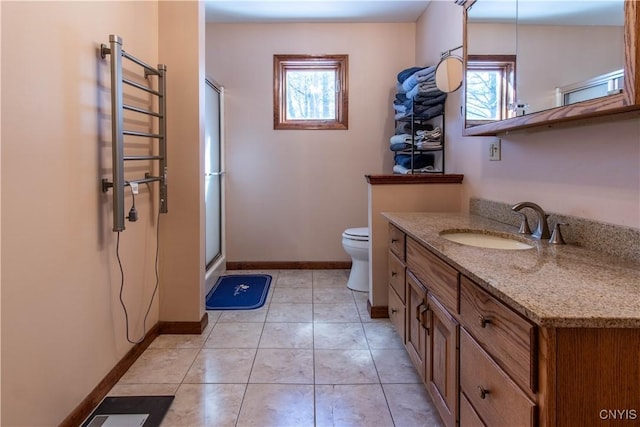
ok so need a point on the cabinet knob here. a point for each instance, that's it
(483, 321)
(419, 310)
(394, 274)
(394, 240)
(483, 392)
(394, 311)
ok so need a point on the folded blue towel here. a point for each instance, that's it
(419, 160)
(404, 74)
(400, 146)
(427, 100)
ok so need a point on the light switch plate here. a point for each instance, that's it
(495, 151)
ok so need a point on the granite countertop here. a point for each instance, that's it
(552, 285)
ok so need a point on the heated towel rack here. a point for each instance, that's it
(118, 132)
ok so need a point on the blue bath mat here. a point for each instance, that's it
(239, 292)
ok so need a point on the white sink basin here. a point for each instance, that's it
(482, 239)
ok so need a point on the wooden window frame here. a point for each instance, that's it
(283, 63)
(506, 64)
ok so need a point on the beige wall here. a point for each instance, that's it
(63, 328)
(400, 198)
(554, 47)
(589, 171)
(291, 194)
(181, 44)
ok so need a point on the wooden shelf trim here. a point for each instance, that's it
(397, 179)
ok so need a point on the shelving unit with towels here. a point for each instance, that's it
(118, 182)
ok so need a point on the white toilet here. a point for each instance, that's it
(355, 242)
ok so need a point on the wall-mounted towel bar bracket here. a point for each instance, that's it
(106, 184)
(118, 183)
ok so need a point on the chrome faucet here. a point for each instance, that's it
(542, 230)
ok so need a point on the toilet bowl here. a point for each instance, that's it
(355, 242)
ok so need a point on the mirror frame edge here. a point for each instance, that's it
(628, 100)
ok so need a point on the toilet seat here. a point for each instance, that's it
(359, 233)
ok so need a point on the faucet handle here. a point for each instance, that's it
(524, 224)
(556, 236)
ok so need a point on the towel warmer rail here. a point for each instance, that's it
(118, 132)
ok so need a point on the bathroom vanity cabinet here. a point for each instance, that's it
(486, 364)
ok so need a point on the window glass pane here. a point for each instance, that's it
(484, 89)
(311, 95)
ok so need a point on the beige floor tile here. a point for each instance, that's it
(394, 366)
(345, 367)
(292, 295)
(214, 315)
(178, 341)
(332, 296)
(353, 354)
(249, 316)
(182, 340)
(411, 406)
(294, 279)
(288, 312)
(159, 366)
(205, 405)
(335, 313)
(351, 405)
(343, 336)
(382, 334)
(330, 278)
(283, 366)
(287, 335)
(361, 303)
(234, 335)
(277, 405)
(228, 365)
(143, 390)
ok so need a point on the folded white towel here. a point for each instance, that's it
(404, 138)
(404, 171)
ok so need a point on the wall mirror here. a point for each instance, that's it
(532, 62)
(449, 74)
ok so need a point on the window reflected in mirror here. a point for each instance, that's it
(490, 92)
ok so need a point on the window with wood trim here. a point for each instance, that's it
(490, 88)
(310, 92)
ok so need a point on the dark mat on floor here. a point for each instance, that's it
(130, 411)
(239, 292)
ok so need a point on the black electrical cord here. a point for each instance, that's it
(133, 213)
(155, 289)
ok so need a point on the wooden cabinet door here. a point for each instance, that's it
(442, 361)
(415, 333)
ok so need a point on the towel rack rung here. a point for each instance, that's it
(141, 87)
(125, 158)
(141, 110)
(149, 68)
(143, 134)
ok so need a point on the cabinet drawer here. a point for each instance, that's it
(397, 240)
(396, 313)
(509, 338)
(468, 416)
(436, 275)
(495, 397)
(396, 275)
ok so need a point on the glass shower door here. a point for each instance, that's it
(213, 174)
